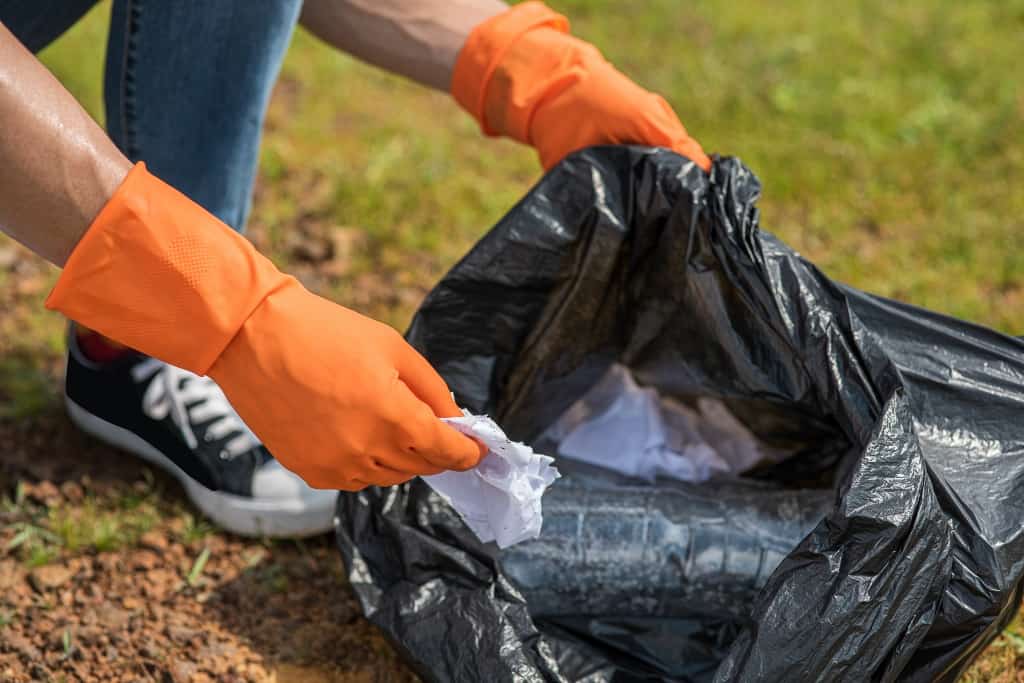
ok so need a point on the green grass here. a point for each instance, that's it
(887, 135)
(40, 533)
(196, 573)
(194, 529)
(100, 525)
(24, 389)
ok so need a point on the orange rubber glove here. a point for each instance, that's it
(520, 74)
(338, 398)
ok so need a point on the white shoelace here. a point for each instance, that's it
(189, 398)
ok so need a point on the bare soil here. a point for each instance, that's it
(256, 611)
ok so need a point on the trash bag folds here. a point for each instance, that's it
(766, 475)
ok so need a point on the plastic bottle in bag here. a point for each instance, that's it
(610, 546)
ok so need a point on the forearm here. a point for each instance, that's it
(57, 166)
(419, 39)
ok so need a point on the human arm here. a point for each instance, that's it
(57, 166)
(418, 39)
(340, 399)
(516, 70)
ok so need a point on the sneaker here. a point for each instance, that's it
(183, 423)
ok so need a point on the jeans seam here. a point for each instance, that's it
(127, 113)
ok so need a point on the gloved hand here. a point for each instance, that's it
(520, 74)
(338, 398)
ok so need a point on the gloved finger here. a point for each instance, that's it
(408, 463)
(426, 384)
(354, 485)
(329, 478)
(327, 481)
(692, 150)
(678, 140)
(431, 439)
(385, 476)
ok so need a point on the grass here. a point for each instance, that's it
(198, 566)
(884, 134)
(194, 529)
(887, 136)
(100, 525)
(41, 533)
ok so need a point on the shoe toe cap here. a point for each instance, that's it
(273, 482)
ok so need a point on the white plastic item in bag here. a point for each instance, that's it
(632, 430)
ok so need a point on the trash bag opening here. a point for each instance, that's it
(651, 518)
(639, 432)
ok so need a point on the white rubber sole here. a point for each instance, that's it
(276, 518)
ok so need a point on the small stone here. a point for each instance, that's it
(21, 646)
(106, 563)
(49, 577)
(216, 651)
(88, 635)
(56, 638)
(182, 671)
(154, 540)
(72, 491)
(150, 650)
(11, 575)
(44, 492)
(112, 618)
(180, 634)
(144, 560)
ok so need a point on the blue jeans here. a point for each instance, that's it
(186, 84)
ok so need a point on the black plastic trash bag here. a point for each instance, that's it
(911, 423)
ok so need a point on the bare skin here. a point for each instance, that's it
(58, 167)
(418, 39)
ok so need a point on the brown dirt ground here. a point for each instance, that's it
(258, 611)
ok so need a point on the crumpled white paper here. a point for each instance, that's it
(634, 431)
(500, 499)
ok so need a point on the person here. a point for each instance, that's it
(189, 348)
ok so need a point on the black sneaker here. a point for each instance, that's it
(184, 424)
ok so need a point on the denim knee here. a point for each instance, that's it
(186, 89)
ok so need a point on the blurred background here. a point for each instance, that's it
(888, 137)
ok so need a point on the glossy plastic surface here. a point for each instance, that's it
(911, 419)
(614, 546)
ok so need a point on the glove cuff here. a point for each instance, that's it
(484, 51)
(157, 272)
